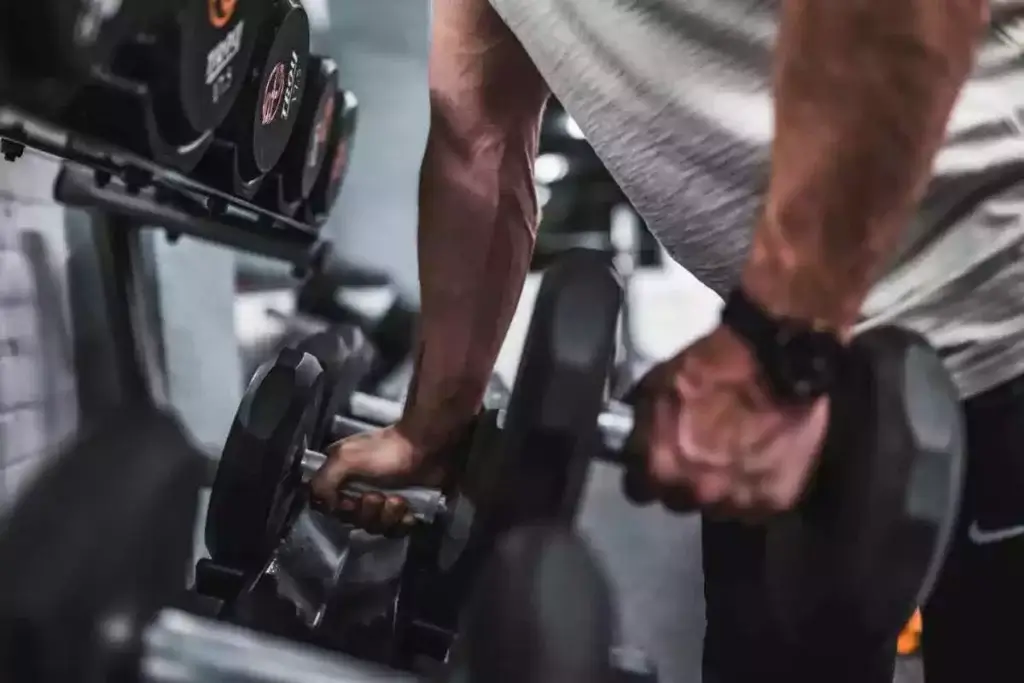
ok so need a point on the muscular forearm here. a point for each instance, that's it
(478, 211)
(478, 219)
(863, 92)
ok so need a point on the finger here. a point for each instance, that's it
(712, 487)
(638, 487)
(667, 462)
(636, 481)
(402, 528)
(369, 514)
(679, 500)
(780, 492)
(327, 481)
(354, 456)
(394, 511)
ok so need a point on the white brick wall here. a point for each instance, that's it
(38, 405)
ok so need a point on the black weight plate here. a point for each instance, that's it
(542, 612)
(282, 84)
(550, 429)
(65, 40)
(304, 156)
(105, 531)
(328, 184)
(346, 356)
(864, 547)
(258, 475)
(217, 38)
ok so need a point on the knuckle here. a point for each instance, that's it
(705, 492)
(778, 499)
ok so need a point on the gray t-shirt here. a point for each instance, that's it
(674, 97)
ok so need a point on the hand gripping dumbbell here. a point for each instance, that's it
(544, 446)
(260, 482)
(865, 543)
(96, 595)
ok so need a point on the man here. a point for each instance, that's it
(807, 227)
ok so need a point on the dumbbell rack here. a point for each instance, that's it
(126, 193)
(96, 175)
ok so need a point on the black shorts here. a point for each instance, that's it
(974, 621)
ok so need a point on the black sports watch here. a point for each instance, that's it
(799, 363)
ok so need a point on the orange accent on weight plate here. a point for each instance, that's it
(221, 12)
(910, 637)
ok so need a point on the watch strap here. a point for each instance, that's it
(797, 362)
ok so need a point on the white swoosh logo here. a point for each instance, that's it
(981, 536)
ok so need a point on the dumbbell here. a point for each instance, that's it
(545, 445)
(52, 47)
(328, 183)
(265, 463)
(94, 554)
(168, 88)
(292, 179)
(869, 536)
(102, 537)
(92, 559)
(509, 640)
(541, 440)
(256, 132)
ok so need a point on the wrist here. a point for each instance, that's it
(725, 357)
(798, 362)
(433, 426)
(794, 283)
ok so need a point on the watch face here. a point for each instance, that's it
(806, 363)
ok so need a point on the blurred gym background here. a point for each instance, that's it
(216, 310)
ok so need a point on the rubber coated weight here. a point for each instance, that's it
(172, 85)
(292, 179)
(259, 474)
(339, 149)
(542, 612)
(345, 356)
(865, 546)
(283, 84)
(54, 46)
(216, 42)
(525, 465)
(102, 537)
(550, 429)
(256, 132)
(194, 64)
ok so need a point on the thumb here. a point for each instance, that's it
(360, 455)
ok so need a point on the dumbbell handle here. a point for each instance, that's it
(615, 427)
(374, 409)
(425, 504)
